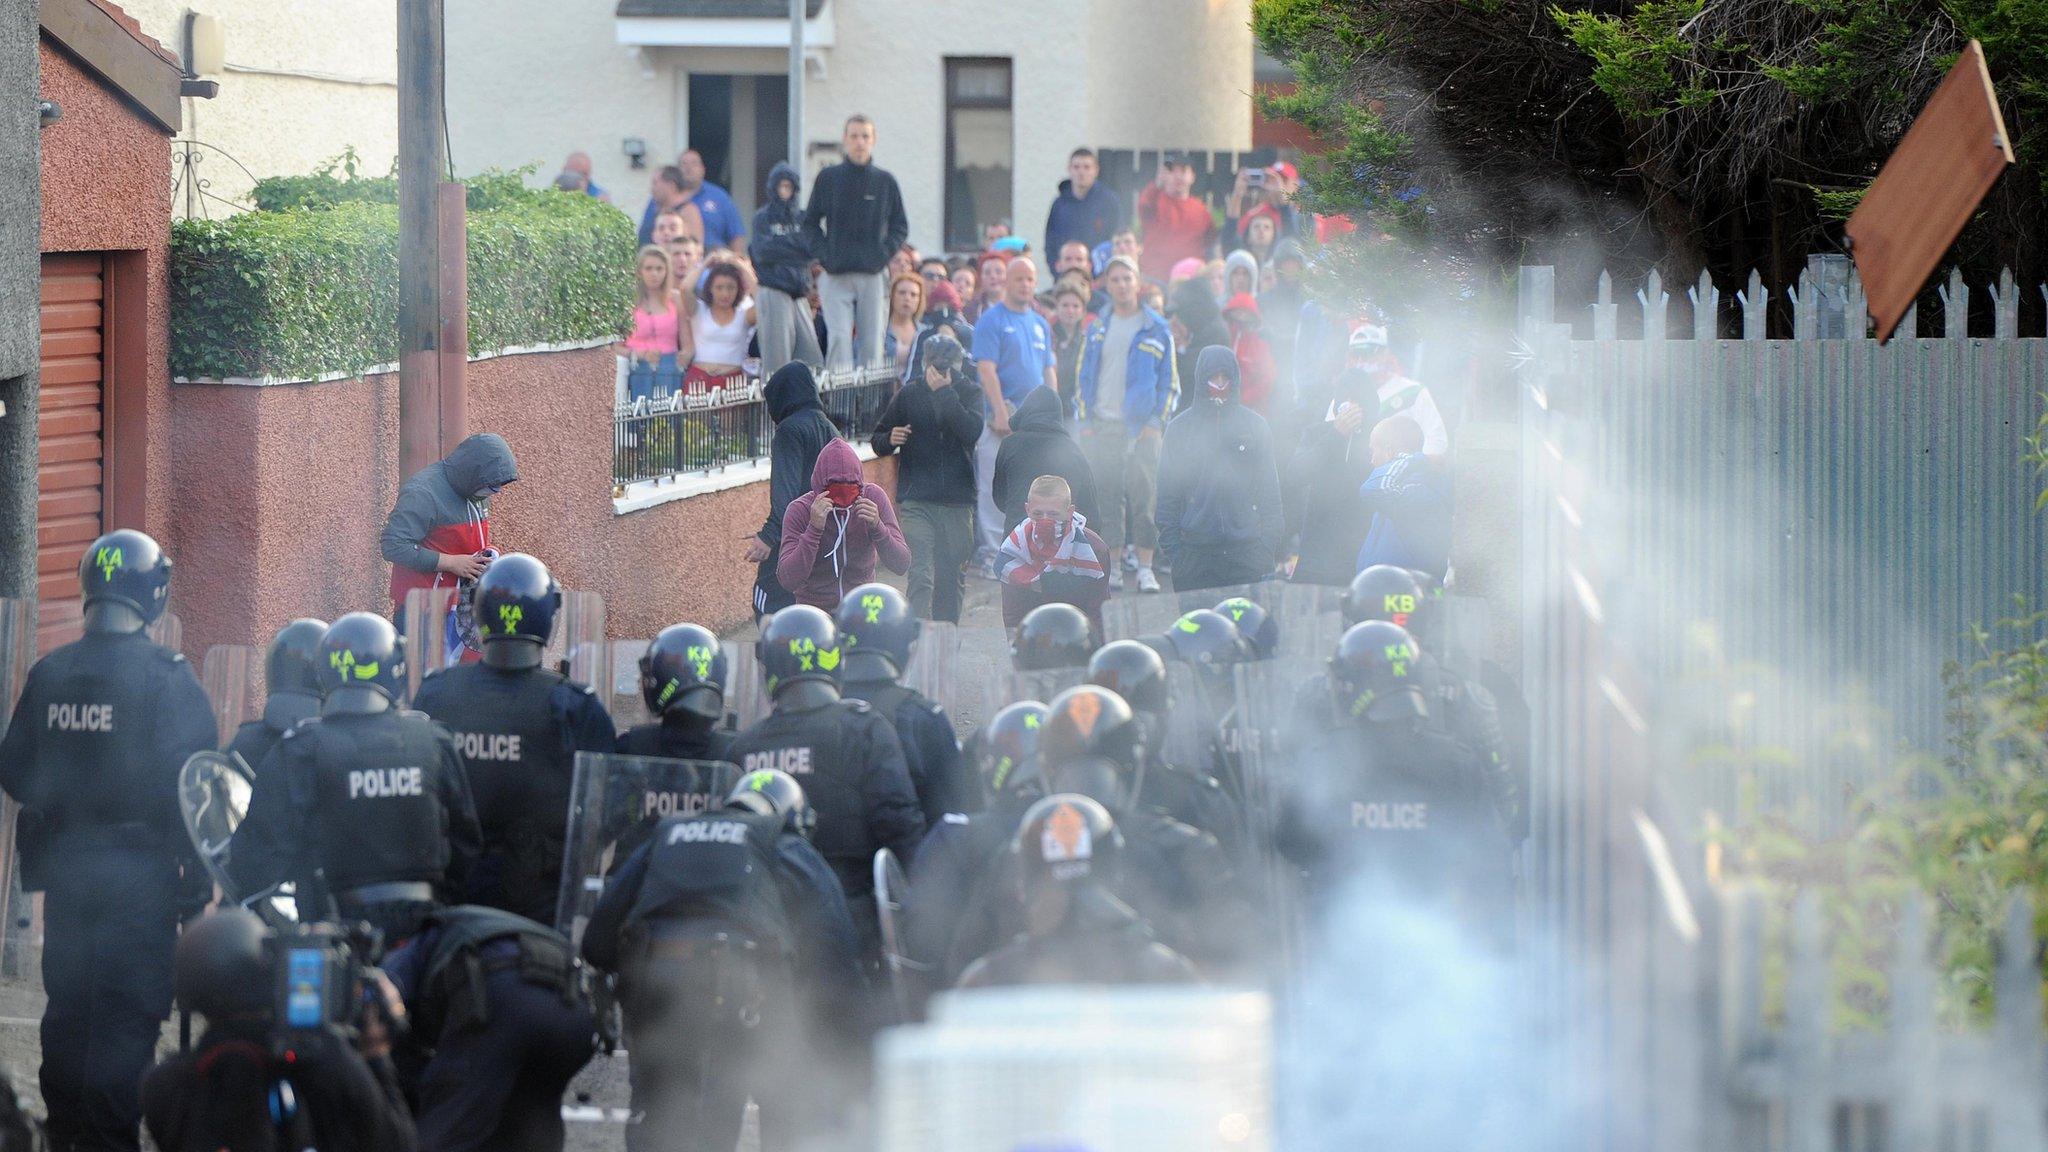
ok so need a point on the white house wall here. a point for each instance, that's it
(304, 80)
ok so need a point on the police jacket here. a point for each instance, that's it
(1101, 941)
(728, 871)
(440, 972)
(942, 778)
(679, 736)
(851, 765)
(93, 752)
(518, 733)
(217, 1096)
(682, 790)
(362, 799)
(951, 894)
(255, 738)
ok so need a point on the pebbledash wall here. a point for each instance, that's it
(280, 492)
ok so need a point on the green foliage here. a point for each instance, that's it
(312, 288)
(1639, 56)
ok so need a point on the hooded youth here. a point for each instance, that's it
(818, 565)
(781, 254)
(444, 509)
(1218, 486)
(1039, 444)
(802, 429)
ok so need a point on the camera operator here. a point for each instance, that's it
(240, 1090)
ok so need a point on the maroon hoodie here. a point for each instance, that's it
(818, 565)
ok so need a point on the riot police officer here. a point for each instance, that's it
(1389, 797)
(1255, 626)
(1076, 929)
(682, 679)
(961, 849)
(225, 1092)
(1383, 592)
(1182, 788)
(716, 927)
(518, 726)
(843, 752)
(877, 629)
(92, 756)
(1052, 636)
(369, 799)
(291, 677)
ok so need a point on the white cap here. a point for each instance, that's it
(1368, 336)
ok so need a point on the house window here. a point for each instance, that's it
(978, 149)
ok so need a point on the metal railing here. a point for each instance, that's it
(709, 429)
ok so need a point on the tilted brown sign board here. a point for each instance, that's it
(1933, 181)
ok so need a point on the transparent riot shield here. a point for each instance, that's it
(906, 976)
(578, 648)
(746, 697)
(621, 691)
(617, 800)
(426, 627)
(1277, 713)
(1003, 688)
(169, 631)
(1461, 637)
(213, 795)
(1130, 615)
(933, 663)
(229, 675)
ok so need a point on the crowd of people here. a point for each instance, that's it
(1209, 417)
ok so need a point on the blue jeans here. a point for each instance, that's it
(646, 381)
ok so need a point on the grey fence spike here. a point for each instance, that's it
(1654, 314)
(1706, 308)
(1755, 301)
(1604, 308)
(1856, 309)
(1914, 1042)
(1806, 308)
(1955, 306)
(2005, 307)
(1909, 324)
(1808, 1105)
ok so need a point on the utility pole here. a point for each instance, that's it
(796, 86)
(430, 356)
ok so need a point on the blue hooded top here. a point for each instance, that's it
(781, 255)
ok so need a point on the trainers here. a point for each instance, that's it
(1147, 582)
(989, 570)
(1116, 579)
(1131, 556)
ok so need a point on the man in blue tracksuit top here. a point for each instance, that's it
(1126, 387)
(1220, 518)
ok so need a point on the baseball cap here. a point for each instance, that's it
(1285, 169)
(1367, 337)
(1122, 262)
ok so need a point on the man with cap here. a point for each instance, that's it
(291, 676)
(92, 755)
(877, 631)
(1126, 391)
(932, 425)
(1076, 931)
(1396, 394)
(519, 726)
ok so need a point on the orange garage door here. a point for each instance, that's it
(68, 493)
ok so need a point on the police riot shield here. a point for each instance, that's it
(430, 620)
(906, 976)
(169, 631)
(578, 649)
(1280, 706)
(229, 675)
(746, 697)
(213, 796)
(933, 663)
(621, 690)
(1002, 688)
(616, 802)
(1459, 640)
(1130, 615)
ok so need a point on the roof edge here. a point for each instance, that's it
(94, 33)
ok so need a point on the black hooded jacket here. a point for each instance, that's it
(938, 460)
(1196, 311)
(1218, 485)
(1040, 444)
(781, 255)
(802, 429)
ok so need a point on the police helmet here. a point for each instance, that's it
(220, 968)
(1206, 639)
(768, 792)
(1090, 722)
(1376, 674)
(1382, 592)
(684, 670)
(293, 662)
(1132, 670)
(798, 643)
(1052, 636)
(126, 567)
(515, 599)
(362, 651)
(876, 629)
(1006, 749)
(1259, 631)
(1067, 839)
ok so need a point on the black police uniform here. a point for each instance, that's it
(518, 731)
(375, 804)
(497, 1000)
(851, 766)
(281, 712)
(931, 752)
(949, 919)
(714, 926)
(219, 1096)
(1101, 941)
(92, 755)
(678, 736)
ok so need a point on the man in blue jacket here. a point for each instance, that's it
(1125, 385)
(1084, 210)
(1220, 517)
(782, 269)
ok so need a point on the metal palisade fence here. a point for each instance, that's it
(708, 428)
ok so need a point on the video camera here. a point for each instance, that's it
(320, 981)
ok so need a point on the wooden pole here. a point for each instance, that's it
(422, 164)
(454, 316)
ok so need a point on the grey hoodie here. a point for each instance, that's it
(444, 493)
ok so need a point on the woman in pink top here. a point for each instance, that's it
(660, 343)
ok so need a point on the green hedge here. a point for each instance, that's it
(313, 289)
